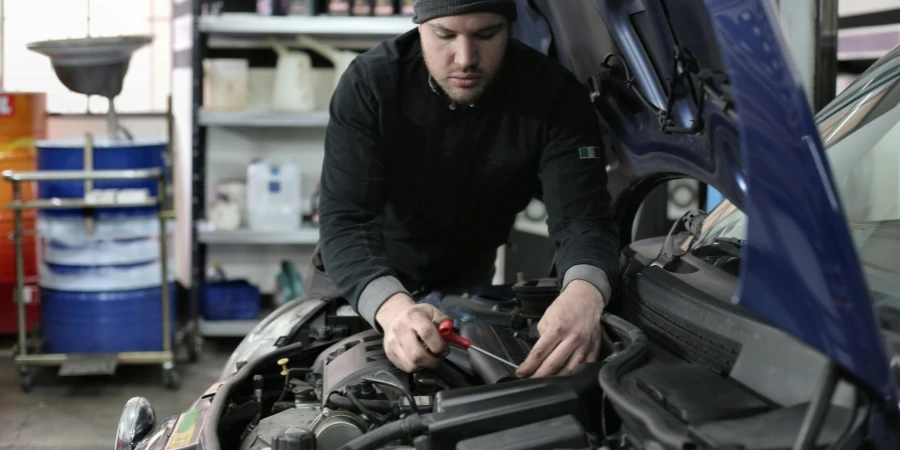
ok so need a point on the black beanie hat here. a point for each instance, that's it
(426, 10)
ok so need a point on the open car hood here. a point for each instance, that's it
(735, 117)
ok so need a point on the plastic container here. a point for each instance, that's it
(104, 322)
(107, 155)
(273, 196)
(227, 84)
(230, 300)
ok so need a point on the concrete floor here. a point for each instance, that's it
(71, 413)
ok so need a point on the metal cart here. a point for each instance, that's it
(88, 364)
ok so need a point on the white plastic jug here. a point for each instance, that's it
(340, 58)
(273, 196)
(293, 90)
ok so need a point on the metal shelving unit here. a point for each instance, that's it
(90, 363)
(242, 31)
(262, 118)
(305, 235)
(249, 23)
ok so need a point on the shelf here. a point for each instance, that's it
(305, 236)
(263, 118)
(251, 23)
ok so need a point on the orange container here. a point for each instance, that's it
(23, 120)
(9, 319)
(8, 251)
(8, 314)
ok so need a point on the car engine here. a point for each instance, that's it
(676, 371)
(337, 394)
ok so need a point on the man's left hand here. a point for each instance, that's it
(569, 333)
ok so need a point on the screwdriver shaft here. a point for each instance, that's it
(487, 353)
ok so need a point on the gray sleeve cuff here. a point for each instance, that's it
(375, 294)
(592, 275)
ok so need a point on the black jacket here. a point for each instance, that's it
(418, 193)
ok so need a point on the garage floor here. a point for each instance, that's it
(83, 412)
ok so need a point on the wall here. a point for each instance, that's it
(850, 7)
(63, 127)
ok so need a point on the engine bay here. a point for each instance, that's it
(342, 386)
(677, 370)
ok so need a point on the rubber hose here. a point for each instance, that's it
(339, 401)
(409, 426)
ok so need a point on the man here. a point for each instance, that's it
(437, 139)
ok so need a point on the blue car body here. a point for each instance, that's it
(761, 149)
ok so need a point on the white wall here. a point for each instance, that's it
(63, 127)
(851, 7)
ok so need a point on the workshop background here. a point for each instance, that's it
(200, 107)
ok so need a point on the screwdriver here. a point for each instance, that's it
(449, 335)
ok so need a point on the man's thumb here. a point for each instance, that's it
(438, 316)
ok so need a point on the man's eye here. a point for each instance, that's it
(486, 36)
(445, 37)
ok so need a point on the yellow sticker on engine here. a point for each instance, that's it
(184, 431)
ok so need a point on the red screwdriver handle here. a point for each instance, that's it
(449, 335)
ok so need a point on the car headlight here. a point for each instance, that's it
(137, 419)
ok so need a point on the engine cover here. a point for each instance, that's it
(351, 359)
(361, 355)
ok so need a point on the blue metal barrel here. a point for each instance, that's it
(101, 293)
(107, 155)
(104, 322)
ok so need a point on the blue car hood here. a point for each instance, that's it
(748, 131)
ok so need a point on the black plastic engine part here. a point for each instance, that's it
(274, 426)
(408, 427)
(556, 433)
(460, 359)
(465, 413)
(499, 341)
(338, 401)
(334, 429)
(479, 308)
(295, 439)
(776, 429)
(696, 395)
(666, 431)
(536, 295)
(351, 359)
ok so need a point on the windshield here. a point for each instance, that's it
(860, 130)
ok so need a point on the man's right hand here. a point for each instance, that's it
(406, 325)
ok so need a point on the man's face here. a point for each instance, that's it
(464, 53)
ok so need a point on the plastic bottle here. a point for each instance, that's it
(273, 196)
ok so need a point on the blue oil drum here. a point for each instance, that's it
(104, 322)
(92, 306)
(107, 155)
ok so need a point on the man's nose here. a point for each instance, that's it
(466, 52)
